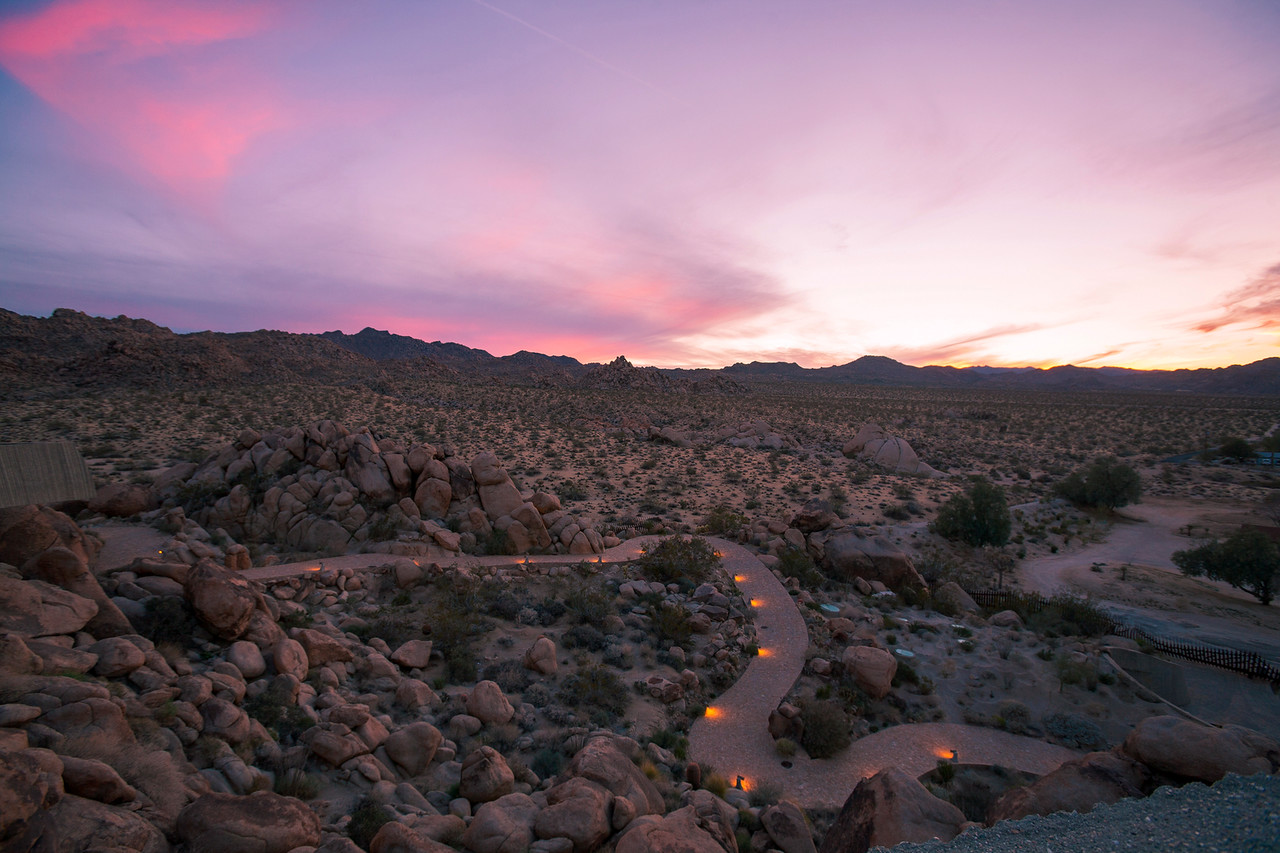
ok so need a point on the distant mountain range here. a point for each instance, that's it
(40, 355)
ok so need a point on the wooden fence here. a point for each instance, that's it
(1236, 660)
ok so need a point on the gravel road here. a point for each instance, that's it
(1237, 815)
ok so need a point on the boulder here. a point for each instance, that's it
(26, 531)
(117, 657)
(122, 500)
(485, 776)
(16, 656)
(432, 497)
(261, 822)
(290, 658)
(412, 747)
(225, 720)
(66, 569)
(876, 445)
(887, 809)
(413, 654)
(953, 597)
(579, 810)
(247, 657)
(849, 555)
(1189, 750)
(39, 609)
(502, 826)
(872, 669)
(321, 648)
(788, 828)
(84, 824)
(1077, 786)
(603, 762)
(1006, 619)
(487, 704)
(24, 788)
(815, 515)
(92, 716)
(678, 832)
(94, 780)
(222, 600)
(541, 657)
(395, 837)
(498, 495)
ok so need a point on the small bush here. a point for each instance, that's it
(796, 563)
(785, 747)
(1016, 715)
(596, 687)
(297, 783)
(671, 623)
(722, 521)
(167, 619)
(367, 818)
(826, 728)
(588, 601)
(586, 637)
(1074, 731)
(547, 763)
(678, 559)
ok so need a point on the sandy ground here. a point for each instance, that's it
(1137, 579)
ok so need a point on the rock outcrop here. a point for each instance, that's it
(887, 809)
(876, 445)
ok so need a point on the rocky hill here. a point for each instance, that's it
(71, 349)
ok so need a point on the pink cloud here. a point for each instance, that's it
(138, 73)
(1258, 301)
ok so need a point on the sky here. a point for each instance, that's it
(691, 183)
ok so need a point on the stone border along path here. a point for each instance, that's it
(733, 737)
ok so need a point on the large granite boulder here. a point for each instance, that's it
(485, 776)
(1188, 750)
(876, 445)
(66, 569)
(502, 826)
(603, 762)
(887, 809)
(222, 600)
(261, 822)
(38, 609)
(849, 555)
(1077, 786)
(872, 669)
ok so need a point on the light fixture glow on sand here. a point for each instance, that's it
(739, 578)
(756, 602)
(764, 653)
(712, 712)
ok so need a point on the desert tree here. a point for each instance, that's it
(978, 516)
(1247, 560)
(1236, 449)
(1106, 482)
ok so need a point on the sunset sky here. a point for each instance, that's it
(687, 182)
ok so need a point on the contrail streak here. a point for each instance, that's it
(590, 57)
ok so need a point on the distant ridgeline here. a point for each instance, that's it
(68, 350)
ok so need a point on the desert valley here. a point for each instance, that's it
(363, 592)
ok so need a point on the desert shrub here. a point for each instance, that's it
(588, 601)
(671, 623)
(198, 494)
(679, 559)
(1074, 731)
(715, 783)
(1072, 671)
(460, 664)
(1236, 448)
(826, 728)
(300, 618)
(495, 542)
(978, 516)
(278, 714)
(550, 609)
(897, 512)
(1067, 616)
(571, 491)
(905, 674)
(394, 629)
(1106, 482)
(510, 675)
(796, 563)
(598, 689)
(587, 637)
(677, 743)
(366, 819)
(1016, 715)
(166, 619)
(547, 762)
(506, 603)
(785, 747)
(722, 521)
(298, 783)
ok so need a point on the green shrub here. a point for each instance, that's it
(1016, 716)
(722, 521)
(796, 563)
(671, 623)
(596, 687)
(547, 762)
(1074, 731)
(677, 559)
(979, 516)
(1106, 482)
(366, 819)
(167, 619)
(826, 728)
(785, 747)
(588, 601)
(278, 714)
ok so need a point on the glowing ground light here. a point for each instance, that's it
(739, 578)
(756, 602)
(764, 653)
(313, 568)
(713, 713)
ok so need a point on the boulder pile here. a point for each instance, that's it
(873, 443)
(327, 490)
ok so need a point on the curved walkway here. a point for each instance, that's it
(734, 736)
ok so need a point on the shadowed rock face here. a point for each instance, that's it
(848, 555)
(889, 808)
(874, 444)
(262, 821)
(1078, 786)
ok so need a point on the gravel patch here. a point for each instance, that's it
(1237, 815)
